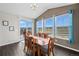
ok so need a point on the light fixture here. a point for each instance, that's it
(34, 6)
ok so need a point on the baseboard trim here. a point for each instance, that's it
(67, 47)
(10, 43)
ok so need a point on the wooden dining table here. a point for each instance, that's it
(41, 42)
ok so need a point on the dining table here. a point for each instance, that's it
(41, 42)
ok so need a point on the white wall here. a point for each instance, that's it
(6, 36)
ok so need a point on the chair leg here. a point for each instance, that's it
(24, 49)
(53, 53)
(33, 53)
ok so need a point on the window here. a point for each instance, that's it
(39, 26)
(29, 25)
(22, 24)
(49, 26)
(25, 25)
(62, 25)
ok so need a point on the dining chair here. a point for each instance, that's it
(48, 49)
(29, 46)
(39, 49)
(35, 34)
(51, 47)
(32, 46)
(40, 34)
(34, 50)
(29, 33)
(45, 35)
(26, 41)
(24, 35)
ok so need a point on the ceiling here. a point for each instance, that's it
(25, 10)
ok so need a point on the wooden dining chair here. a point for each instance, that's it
(34, 50)
(32, 46)
(39, 50)
(48, 49)
(51, 47)
(26, 41)
(35, 34)
(40, 34)
(45, 35)
(29, 33)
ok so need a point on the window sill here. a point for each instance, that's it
(59, 37)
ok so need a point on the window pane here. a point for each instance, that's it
(49, 26)
(39, 25)
(22, 24)
(25, 25)
(29, 25)
(62, 24)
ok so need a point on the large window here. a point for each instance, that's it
(25, 25)
(49, 26)
(62, 25)
(39, 26)
(29, 25)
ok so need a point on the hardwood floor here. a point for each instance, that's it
(17, 50)
(12, 50)
(59, 51)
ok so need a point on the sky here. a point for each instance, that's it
(26, 23)
(61, 20)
